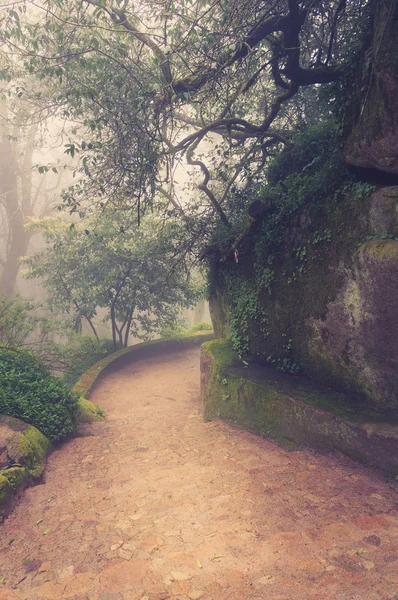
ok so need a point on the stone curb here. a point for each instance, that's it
(87, 381)
(273, 407)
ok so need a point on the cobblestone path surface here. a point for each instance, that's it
(155, 504)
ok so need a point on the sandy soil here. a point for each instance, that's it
(155, 504)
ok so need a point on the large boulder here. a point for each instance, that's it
(356, 338)
(23, 452)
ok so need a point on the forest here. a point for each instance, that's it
(164, 164)
(158, 152)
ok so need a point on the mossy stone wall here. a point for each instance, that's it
(322, 302)
(293, 411)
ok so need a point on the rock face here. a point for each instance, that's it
(373, 138)
(331, 309)
(357, 335)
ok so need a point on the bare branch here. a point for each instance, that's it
(204, 185)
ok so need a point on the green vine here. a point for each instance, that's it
(247, 311)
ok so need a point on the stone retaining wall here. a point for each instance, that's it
(293, 411)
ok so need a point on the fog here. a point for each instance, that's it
(34, 169)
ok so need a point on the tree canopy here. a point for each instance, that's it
(149, 83)
(139, 276)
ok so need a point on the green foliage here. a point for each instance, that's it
(139, 275)
(202, 326)
(312, 151)
(79, 354)
(247, 312)
(19, 319)
(29, 392)
(308, 172)
(362, 189)
(172, 329)
(308, 179)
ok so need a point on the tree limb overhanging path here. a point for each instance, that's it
(156, 504)
(153, 85)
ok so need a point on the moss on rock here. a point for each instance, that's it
(24, 450)
(323, 301)
(88, 412)
(30, 450)
(17, 476)
(294, 412)
(223, 351)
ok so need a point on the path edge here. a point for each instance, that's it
(88, 380)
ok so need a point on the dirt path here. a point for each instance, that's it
(156, 504)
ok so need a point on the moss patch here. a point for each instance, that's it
(6, 492)
(31, 450)
(293, 412)
(17, 476)
(88, 412)
(223, 352)
(380, 250)
(25, 454)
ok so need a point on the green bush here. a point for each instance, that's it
(29, 392)
(202, 326)
(173, 329)
(81, 353)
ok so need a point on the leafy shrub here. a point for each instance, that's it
(19, 318)
(29, 392)
(314, 153)
(168, 331)
(81, 353)
(202, 326)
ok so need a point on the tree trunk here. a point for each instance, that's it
(16, 237)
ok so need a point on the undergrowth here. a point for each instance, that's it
(29, 392)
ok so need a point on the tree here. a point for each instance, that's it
(24, 191)
(139, 275)
(152, 81)
(19, 318)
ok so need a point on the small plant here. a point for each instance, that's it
(322, 236)
(362, 189)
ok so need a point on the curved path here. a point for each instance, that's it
(155, 504)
